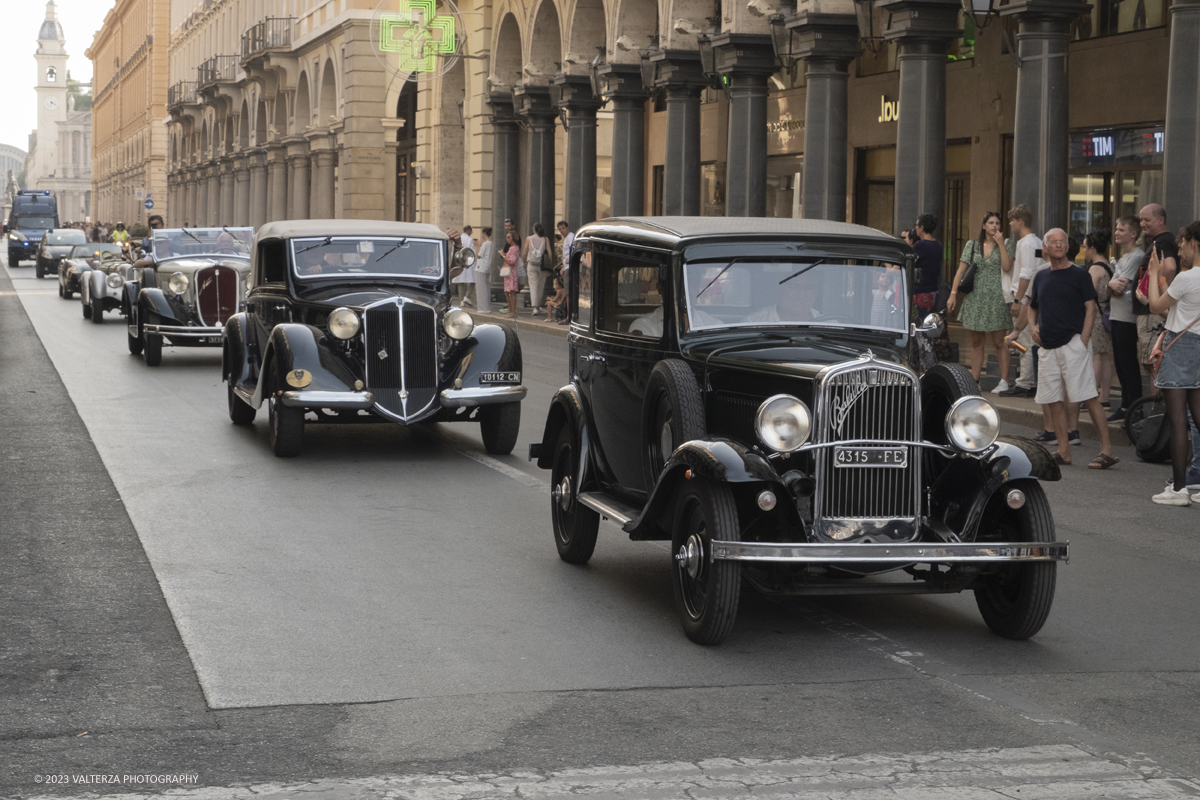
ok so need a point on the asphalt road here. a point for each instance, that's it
(176, 600)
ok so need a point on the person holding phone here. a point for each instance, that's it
(1153, 221)
(984, 312)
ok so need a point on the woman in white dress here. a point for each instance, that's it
(537, 251)
(483, 272)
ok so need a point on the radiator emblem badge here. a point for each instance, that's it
(843, 404)
(383, 353)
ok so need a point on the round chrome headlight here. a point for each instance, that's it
(178, 283)
(972, 424)
(466, 257)
(114, 280)
(343, 323)
(458, 324)
(783, 423)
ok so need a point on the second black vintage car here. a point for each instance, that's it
(350, 321)
(746, 390)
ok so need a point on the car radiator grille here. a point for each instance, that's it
(217, 294)
(875, 404)
(401, 357)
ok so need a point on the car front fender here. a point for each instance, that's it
(154, 301)
(294, 346)
(566, 409)
(238, 366)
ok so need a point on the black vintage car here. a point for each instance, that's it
(180, 292)
(745, 389)
(350, 321)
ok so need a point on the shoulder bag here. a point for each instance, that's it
(1106, 309)
(967, 284)
(1156, 355)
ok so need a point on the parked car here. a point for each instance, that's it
(351, 320)
(81, 259)
(182, 292)
(55, 245)
(745, 389)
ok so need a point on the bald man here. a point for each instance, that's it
(1153, 219)
(1061, 310)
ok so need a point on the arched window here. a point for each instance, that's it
(51, 74)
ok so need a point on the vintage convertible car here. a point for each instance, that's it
(56, 244)
(81, 259)
(785, 439)
(181, 292)
(350, 321)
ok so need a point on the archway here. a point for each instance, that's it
(406, 150)
(260, 124)
(303, 117)
(507, 61)
(328, 101)
(545, 46)
(449, 210)
(244, 127)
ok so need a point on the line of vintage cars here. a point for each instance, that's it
(747, 390)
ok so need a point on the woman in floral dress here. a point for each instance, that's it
(984, 312)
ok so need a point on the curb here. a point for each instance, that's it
(1018, 411)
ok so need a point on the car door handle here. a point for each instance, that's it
(594, 357)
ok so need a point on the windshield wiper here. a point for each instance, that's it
(400, 243)
(719, 274)
(328, 239)
(189, 233)
(802, 270)
(231, 233)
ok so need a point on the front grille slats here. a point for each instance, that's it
(401, 357)
(420, 348)
(217, 290)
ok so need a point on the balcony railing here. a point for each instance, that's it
(217, 68)
(181, 93)
(271, 32)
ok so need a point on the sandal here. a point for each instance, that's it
(1103, 461)
(1058, 459)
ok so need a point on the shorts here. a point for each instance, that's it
(1065, 373)
(1149, 326)
(1181, 364)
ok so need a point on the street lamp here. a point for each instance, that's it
(981, 10)
(781, 40)
(708, 56)
(594, 72)
(864, 12)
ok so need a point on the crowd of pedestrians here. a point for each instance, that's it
(537, 263)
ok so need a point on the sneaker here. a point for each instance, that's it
(1073, 438)
(1193, 481)
(467, 302)
(1170, 497)
(1117, 416)
(1046, 436)
(1001, 387)
(1018, 391)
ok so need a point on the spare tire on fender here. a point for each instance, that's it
(672, 413)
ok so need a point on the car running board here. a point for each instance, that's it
(609, 507)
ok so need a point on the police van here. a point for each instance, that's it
(33, 213)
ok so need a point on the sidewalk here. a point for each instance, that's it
(1013, 410)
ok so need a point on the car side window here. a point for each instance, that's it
(272, 261)
(581, 267)
(631, 299)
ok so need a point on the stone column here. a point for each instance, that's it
(227, 215)
(1181, 159)
(1040, 127)
(506, 187)
(575, 95)
(214, 194)
(200, 215)
(922, 29)
(678, 72)
(323, 187)
(532, 104)
(277, 183)
(827, 43)
(241, 191)
(190, 219)
(298, 184)
(258, 188)
(746, 61)
(622, 86)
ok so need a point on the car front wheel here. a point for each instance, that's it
(499, 426)
(97, 310)
(575, 525)
(152, 344)
(706, 590)
(286, 425)
(41, 273)
(241, 412)
(1015, 601)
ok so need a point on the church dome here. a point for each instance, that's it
(51, 30)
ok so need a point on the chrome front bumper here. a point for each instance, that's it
(337, 401)
(482, 396)
(906, 553)
(183, 331)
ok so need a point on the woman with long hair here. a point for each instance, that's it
(1179, 373)
(1095, 250)
(539, 258)
(512, 254)
(984, 312)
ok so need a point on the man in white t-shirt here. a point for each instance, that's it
(568, 238)
(1026, 264)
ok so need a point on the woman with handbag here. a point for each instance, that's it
(1121, 316)
(538, 264)
(512, 254)
(984, 312)
(483, 273)
(1175, 359)
(1095, 246)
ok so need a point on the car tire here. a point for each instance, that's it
(97, 310)
(87, 308)
(1015, 601)
(706, 590)
(38, 270)
(672, 413)
(134, 342)
(240, 412)
(152, 344)
(1139, 411)
(286, 425)
(575, 525)
(14, 258)
(499, 425)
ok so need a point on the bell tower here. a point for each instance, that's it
(51, 57)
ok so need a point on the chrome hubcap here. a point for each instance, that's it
(562, 493)
(666, 441)
(690, 555)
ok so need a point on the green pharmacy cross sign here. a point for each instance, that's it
(417, 35)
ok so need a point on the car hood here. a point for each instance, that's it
(57, 250)
(802, 355)
(362, 297)
(190, 265)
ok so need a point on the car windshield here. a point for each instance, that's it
(41, 223)
(89, 250)
(834, 292)
(381, 256)
(168, 242)
(65, 237)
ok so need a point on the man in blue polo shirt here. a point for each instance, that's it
(1062, 307)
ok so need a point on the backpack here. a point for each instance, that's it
(1149, 428)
